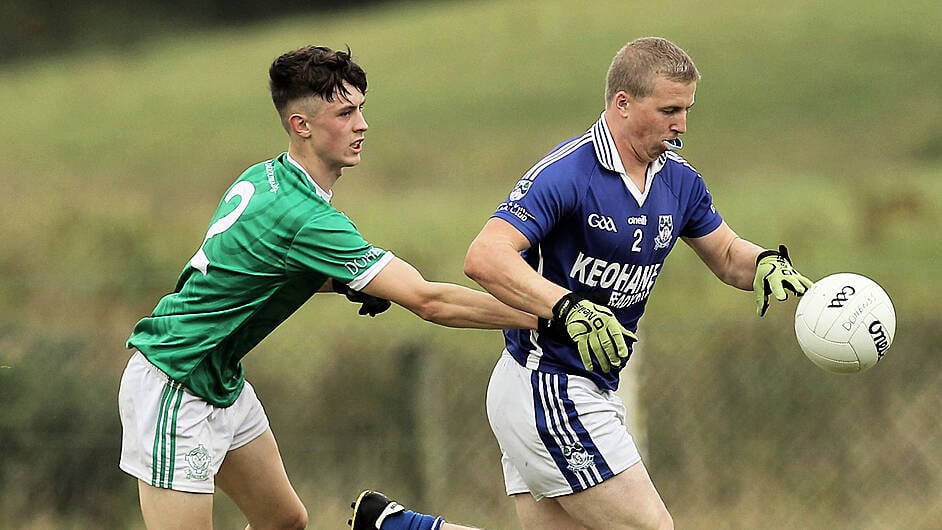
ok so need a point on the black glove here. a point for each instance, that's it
(556, 328)
(370, 305)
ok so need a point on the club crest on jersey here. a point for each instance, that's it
(665, 231)
(521, 189)
(577, 458)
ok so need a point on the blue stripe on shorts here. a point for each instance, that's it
(563, 435)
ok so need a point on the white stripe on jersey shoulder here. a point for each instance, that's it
(555, 156)
(679, 159)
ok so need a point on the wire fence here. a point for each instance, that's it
(737, 428)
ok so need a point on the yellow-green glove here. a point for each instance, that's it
(775, 274)
(595, 330)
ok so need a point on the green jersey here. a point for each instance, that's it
(273, 242)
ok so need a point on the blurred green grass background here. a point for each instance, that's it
(816, 124)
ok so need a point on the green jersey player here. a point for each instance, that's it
(190, 420)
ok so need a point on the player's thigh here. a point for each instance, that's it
(627, 500)
(254, 477)
(166, 509)
(547, 514)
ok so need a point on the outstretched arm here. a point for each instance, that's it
(444, 303)
(747, 266)
(731, 258)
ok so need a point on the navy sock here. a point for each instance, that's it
(409, 520)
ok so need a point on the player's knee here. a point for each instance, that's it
(661, 520)
(300, 519)
(654, 518)
(297, 519)
(664, 520)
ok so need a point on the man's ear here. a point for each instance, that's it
(298, 124)
(622, 101)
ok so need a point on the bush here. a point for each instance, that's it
(59, 435)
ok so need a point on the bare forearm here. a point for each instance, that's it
(741, 269)
(446, 304)
(731, 258)
(461, 307)
(500, 271)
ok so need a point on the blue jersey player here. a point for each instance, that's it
(580, 241)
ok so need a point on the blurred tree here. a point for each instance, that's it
(59, 433)
(34, 28)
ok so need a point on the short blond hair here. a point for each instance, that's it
(641, 62)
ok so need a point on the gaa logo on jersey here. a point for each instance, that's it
(602, 222)
(665, 231)
(521, 189)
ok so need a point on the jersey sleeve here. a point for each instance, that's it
(702, 217)
(332, 246)
(538, 202)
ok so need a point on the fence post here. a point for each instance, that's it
(431, 438)
(629, 390)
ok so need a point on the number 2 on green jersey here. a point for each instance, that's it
(244, 190)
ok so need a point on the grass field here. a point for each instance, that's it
(810, 124)
(816, 124)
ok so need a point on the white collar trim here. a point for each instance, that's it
(326, 195)
(607, 154)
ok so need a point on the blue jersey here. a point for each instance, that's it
(593, 231)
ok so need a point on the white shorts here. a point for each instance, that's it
(558, 434)
(175, 440)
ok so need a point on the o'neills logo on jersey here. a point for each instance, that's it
(362, 263)
(629, 283)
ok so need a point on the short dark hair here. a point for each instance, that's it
(313, 71)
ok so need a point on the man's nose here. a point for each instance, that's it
(681, 125)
